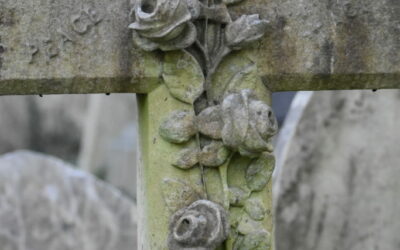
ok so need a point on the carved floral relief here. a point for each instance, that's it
(228, 117)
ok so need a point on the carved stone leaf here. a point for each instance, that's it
(260, 240)
(178, 194)
(186, 158)
(247, 225)
(178, 127)
(244, 30)
(255, 209)
(183, 76)
(214, 154)
(236, 72)
(209, 122)
(238, 196)
(259, 172)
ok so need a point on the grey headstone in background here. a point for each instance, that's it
(338, 185)
(45, 204)
(52, 124)
(95, 132)
(109, 142)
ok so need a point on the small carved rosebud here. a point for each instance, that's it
(248, 123)
(165, 24)
(246, 29)
(201, 226)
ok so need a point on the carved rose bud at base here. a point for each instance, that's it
(201, 226)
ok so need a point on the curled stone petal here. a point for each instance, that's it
(203, 225)
(235, 117)
(209, 122)
(262, 119)
(178, 127)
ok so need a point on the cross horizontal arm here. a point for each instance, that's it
(71, 46)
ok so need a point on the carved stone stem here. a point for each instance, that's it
(163, 189)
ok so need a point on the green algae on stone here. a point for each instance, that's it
(183, 76)
(238, 196)
(260, 240)
(255, 209)
(260, 171)
(178, 193)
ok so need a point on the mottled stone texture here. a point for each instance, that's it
(338, 186)
(85, 46)
(329, 44)
(45, 204)
(70, 46)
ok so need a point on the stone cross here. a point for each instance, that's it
(204, 72)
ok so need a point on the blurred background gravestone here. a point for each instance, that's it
(95, 132)
(339, 168)
(46, 204)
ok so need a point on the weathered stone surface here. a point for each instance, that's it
(328, 44)
(338, 182)
(70, 46)
(85, 46)
(45, 204)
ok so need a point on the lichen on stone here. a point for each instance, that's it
(259, 172)
(238, 196)
(255, 209)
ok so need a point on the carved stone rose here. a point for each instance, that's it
(248, 123)
(165, 24)
(202, 226)
(243, 122)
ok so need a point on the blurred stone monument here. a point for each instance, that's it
(95, 132)
(45, 204)
(338, 174)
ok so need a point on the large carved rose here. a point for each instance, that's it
(249, 123)
(203, 225)
(243, 122)
(165, 24)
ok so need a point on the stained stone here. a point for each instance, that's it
(46, 204)
(85, 46)
(338, 182)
